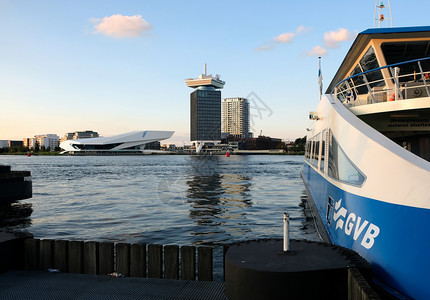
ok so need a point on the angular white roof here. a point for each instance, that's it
(117, 142)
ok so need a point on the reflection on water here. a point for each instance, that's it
(217, 203)
(204, 194)
(217, 200)
(15, 215)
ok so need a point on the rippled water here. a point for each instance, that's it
(168, 199)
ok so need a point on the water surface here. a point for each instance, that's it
(171, 199)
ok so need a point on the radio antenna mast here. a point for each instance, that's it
(379, 14)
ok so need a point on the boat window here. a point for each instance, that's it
(323, 150)
(315, 150)
(358, 81)
(342, 92)
(396, 52)
(368, 62)
(339, 165)
(311, 158)
(308, 149)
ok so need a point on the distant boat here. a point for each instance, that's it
(367, 169)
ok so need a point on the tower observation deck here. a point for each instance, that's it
(205, 105)
(205, 81)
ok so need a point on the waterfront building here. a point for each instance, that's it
(169, 147)
(235, 117)
(47, 140)
(205, 108)
(3, 144)
(29, 142)
(87, 134)
(26, 142)
(32, 142)
(259, 143)
(134, 142)
(14, 143)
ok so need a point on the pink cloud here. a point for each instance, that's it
(285, 37)
(119, 26)
(333, 38)
(317, 51)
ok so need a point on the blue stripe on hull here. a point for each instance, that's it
(395, 239)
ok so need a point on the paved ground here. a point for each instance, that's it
(45, 285)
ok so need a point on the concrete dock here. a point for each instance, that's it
(44, 285)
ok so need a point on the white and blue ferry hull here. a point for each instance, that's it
(387, 218)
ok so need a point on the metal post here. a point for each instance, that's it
(395, 74)
(286, 233)
(423, 77)
(369, 89)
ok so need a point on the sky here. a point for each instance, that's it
(120, 66)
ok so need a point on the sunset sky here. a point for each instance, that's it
(118, 66)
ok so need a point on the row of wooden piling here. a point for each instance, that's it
(134, 260)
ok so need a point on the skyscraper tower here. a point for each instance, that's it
(205, 104)
(235, 117)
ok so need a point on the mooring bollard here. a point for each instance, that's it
(286, 233)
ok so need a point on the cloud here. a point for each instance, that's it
(333, 38)
(288, 36)
(302, 29)
(119, 26)
(284, 38)
(317, 51)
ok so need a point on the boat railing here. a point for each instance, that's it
(395, 82)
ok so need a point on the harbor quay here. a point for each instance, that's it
(258, 269)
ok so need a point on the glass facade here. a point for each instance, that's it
(205, 115)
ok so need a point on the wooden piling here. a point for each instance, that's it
(155, 261)
(224, 252)
(123, 259)
(188, 263)
(171, 262)
(90, 257)
(61, 262)
(76, 257)
(205, 264)
(106, 258)
(138, 260)
(46, 255)
(32, 254)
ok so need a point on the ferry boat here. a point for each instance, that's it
(367, 169)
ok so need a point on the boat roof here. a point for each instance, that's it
(362, 41)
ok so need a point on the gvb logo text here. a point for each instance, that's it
(355, 226)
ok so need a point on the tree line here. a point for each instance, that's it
(22, 149)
